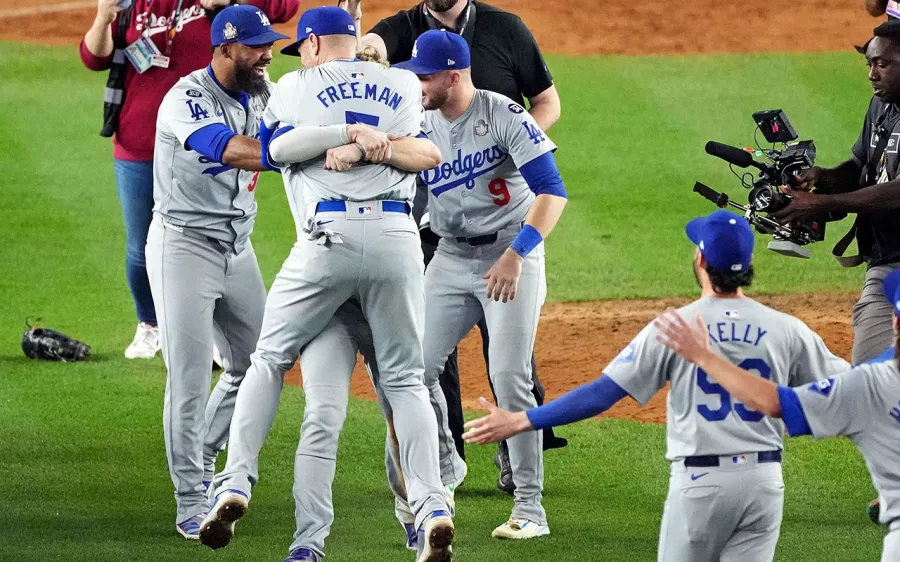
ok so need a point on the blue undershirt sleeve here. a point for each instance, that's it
(792, 412)
(210, 141)
(586, 401)
(542, 176)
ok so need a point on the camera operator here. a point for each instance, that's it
(878, 8)
(866, 184)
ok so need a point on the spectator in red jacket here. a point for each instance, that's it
(172, 37)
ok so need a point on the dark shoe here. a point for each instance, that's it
(501, 461)
(554, 442)
(874, 511)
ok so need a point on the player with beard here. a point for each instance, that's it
(203, 271)
(507, 60)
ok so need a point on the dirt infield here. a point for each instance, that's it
(576, 340)
(581, 27)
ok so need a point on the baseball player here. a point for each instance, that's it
(726, 490)
(204, 276)
(495, 198)
(863, 404)
(356, 241)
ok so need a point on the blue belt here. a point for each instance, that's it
(713, 460)
(386, 206)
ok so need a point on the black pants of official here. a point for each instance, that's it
(450, 377)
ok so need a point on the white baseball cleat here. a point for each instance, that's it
(217, 528)
(436, 538)
(145, 344)
(520, 529)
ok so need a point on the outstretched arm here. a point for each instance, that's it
(584, 402)
(692, 343)
(410, 154)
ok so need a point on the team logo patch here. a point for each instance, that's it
(365, 210)
(516, 108)
(740, 459)
(893, 144)
(822, 387)
(732, 314)
(263, 19)
(194, 94)
(482, 128)
(625, 356)
(230, 31)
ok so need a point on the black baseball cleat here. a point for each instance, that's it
(501, 461)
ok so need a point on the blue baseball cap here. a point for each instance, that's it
(243, 24)
(891, 286)
(724, 239)
(327, 20)
(438, 50)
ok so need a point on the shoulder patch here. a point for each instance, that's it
(625, 356)
(822, 387)
(194, 94)
(516, 108)
(482, 128)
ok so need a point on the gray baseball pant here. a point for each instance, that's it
(728, 513)
(204, 293)
(455, 300)
(873, 329)
(891, 550)
(379, 264)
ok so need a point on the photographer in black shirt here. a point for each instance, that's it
(866, 184)
(505, 59)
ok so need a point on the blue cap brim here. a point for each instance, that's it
(293, 50)
(694, 228)
(417, 68)
(263, 39)
(891, 285)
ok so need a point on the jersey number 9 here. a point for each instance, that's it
(499, 192)
(725, 408)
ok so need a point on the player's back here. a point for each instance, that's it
(703, 418)
(348, 92)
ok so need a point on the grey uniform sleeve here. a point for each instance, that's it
(410, 118)
(186, 110)
(641, 369)
(837, 405)
(811, 359)
(517, 132)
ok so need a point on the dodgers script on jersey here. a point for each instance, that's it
(480, 190)
(864, 405)
(190, 190)
(702, 417)
(347, 92)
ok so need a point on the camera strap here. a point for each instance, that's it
(873, 168)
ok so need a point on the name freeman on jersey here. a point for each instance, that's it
(356, 91)
(723, 332)
(468, 166)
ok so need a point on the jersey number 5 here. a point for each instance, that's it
(725, 408)
(499, 192)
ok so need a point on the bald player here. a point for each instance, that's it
(726, 490)
(356, 242)
(493, 201)
(862, 405)
(203, 272)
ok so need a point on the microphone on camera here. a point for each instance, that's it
(732, 155)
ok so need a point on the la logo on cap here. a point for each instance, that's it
(263, 19)
(230, 31)
(415, 50)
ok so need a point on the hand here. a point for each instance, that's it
(213, 5)
(498, 425)
(503, 277)
(342, 158)
(352, 7)
(808, 179)
(804, 205)
(690, 342)
(107, 11)
(376, 144)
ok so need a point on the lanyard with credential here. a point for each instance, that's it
(462, 28)
(171, 27)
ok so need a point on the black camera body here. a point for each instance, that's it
(766, 194)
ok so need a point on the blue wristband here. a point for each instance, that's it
(527, 240)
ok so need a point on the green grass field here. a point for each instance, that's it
(81, 454)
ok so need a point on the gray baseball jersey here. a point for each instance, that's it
(480, 189)
(388, 99)
(703, 418)
(189, 190)
(864, 405)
